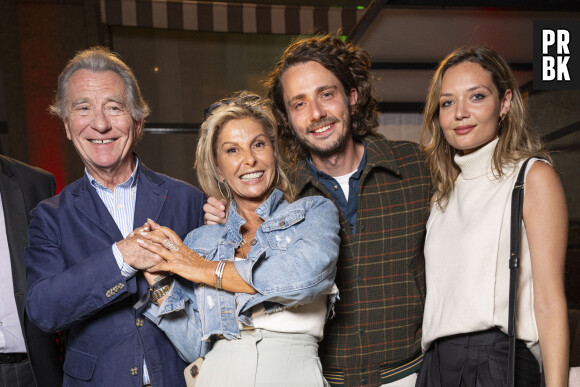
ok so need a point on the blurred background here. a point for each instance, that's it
(187, 54)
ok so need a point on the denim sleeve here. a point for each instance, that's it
(178, 316)
(299, 268)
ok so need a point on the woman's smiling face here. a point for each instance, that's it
(245, 158)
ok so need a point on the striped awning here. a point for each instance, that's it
(229, 17)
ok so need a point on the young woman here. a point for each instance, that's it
(476, 139)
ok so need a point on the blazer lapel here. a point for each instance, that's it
(150, 197)
(92, 207)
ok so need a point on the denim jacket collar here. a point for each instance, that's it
(264, 211)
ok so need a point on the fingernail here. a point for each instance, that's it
(143, 233)
(140, 241)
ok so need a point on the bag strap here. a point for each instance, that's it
(514, 263)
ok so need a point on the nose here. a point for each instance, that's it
(461, 110)
(317, 111)
(249, 158)
(100, 122)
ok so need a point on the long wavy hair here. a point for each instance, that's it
(516, 140)
(347, 62)
(242, 104)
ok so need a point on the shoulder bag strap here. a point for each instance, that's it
(514, 263)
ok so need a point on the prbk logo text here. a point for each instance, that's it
(556, 54)
(555, 67)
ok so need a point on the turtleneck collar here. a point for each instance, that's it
(478, 163)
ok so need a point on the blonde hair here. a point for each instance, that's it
(237, 106)
(516, 140)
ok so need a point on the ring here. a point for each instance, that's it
(169, 245)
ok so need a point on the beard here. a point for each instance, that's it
(336, 147)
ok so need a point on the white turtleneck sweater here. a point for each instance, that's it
(467, 253)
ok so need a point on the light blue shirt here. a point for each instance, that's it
(121, 206)
(292, 260)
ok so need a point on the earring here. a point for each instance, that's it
(227, 188)
(500, 123)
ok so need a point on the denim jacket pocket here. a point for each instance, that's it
(79, 365)
(277, 230)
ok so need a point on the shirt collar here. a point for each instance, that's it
(319, 174)
(264, 211)
(130, 182)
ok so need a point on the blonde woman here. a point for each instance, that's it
(254, 293)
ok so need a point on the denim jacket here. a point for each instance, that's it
(292, 259)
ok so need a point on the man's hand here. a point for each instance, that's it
(214, 211)
(136, 256)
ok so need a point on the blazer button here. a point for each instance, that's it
(134, 371)
(253, 242)
(282, 223)
(139, 322)
(194, 371)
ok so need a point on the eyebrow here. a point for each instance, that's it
(253, 139)
(317, 91)
(80, 101)
(470, 89)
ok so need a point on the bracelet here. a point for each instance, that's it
(219, 272)
(159, 293)
(166, 280)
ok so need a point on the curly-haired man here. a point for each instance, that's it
(327, 117)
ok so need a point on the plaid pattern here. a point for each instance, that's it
(380, 271)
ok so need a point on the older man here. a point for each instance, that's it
(321, 90)
(84, 270)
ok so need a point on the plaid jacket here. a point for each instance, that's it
(380, 272)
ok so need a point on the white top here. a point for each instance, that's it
(343, 182)
(307, 319)
(467, 253)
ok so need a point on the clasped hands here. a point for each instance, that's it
(160, 249)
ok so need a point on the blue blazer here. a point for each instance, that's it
(75, 283)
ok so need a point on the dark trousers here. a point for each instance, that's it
(16, 374)
(477, 359)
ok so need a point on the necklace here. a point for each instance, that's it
(243, 243)
(242, 247)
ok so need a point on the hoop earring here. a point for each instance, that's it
(227, 188)
(502, 118)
